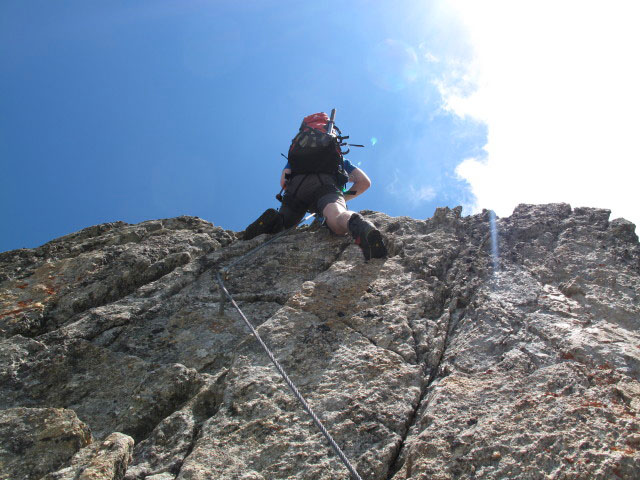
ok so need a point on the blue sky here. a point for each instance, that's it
(114, 110)
(149, 109)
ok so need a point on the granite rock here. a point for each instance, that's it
(35, 441)
(480, 348)
(106, 460)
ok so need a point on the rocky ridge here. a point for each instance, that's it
(470, 352)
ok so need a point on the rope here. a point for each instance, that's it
(296, 392)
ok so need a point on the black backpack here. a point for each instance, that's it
(317, 147)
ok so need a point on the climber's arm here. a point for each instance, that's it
(283, 180)
(360, 183)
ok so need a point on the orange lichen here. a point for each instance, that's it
(23, 286)
(25, 305)
(633, 443)
(13, 312)
(628, 451)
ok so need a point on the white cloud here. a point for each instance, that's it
(420, 194)
(558, 85)
(416, 195)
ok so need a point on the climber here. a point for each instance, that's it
(313, 180)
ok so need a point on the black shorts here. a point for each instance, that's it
(311, 192)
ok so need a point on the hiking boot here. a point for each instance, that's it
(367, 237)
(269, 222)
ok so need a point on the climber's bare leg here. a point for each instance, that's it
(337, 217)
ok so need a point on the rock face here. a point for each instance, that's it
(105, 460)
(36, 441)
(481, 348)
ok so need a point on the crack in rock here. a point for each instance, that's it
(441, 361)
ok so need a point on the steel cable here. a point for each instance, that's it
(225, 293)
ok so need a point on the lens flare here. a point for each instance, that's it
(374, 140)
(493, 226)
